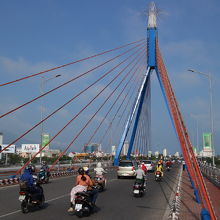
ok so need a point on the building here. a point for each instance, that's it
(156, 154)
(26, 152)
(125, 148)
(149, 153)
(165, 153)
(91, 148)
(177, 154)
(113, 150)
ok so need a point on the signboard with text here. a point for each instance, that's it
(45, 141)
(30, 148)
(9, 150)
(207, 141)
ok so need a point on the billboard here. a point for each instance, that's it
(45, 141)
(9, 150)
(207, 141)
(30, 148)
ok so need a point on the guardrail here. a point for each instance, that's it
(54, 174)
(211, 173)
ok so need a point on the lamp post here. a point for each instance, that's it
(42, 90)
(209, 76)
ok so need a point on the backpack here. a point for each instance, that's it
(23, 185)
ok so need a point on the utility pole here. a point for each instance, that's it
(209, 76)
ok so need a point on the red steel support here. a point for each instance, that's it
(182, 133)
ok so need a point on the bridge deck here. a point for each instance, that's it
(189, 208)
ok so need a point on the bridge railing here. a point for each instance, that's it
(211, 173)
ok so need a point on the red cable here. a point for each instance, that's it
(94, 113)
(68, 101)
(73, 79)
(76, 115)
(130, 97)
(64, 65)
(135, 72)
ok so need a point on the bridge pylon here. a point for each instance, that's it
(137, 107)
(155, 62)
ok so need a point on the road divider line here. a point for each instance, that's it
(49, 200)
(10, 213)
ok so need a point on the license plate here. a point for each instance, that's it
(21, 198)
(136, 191)
(78, 207)
(124, 174)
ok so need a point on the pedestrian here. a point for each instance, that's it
(184, 165)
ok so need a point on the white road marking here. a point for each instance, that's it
(50, 200)
(10, 213)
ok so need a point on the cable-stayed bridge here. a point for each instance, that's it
(110, 98)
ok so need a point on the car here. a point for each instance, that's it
(150, 165)
(126, 168)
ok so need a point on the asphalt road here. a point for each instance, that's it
(117, 202)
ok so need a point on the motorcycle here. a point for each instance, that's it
(43, 176)
(30, 200)
(138, 189)
(168, 168)
(100, 183)
(158, 176)
(83, 205)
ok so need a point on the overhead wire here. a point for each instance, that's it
(69, 81)
(77, 95)
(71, 63)
(70, 121)
(104, 118)
(96, 111)
(117, 112)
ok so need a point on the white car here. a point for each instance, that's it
(126, 168)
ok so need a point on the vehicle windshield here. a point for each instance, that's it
(147, 162)
(125, 164)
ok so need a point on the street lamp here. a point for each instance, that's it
(42, 89)
(209, 76)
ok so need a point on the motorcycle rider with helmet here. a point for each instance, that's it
(140, 175)
(159, 167)
(45, 167)
(30, 179)
(83, 183)
(99, 171)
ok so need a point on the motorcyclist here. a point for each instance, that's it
(159, 167)
(45, 167)
(83, 183)
(140, 175)
(99, 171)
(143, 167)
(168, 163)
(31, 182)
(92, 191)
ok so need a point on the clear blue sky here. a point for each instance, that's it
(35, 35)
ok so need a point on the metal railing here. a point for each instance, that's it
(211, 173)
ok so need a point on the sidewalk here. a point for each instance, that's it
(214, 194)
(189, 208)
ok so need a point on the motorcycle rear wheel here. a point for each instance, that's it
(24, 207)
(41, 205)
